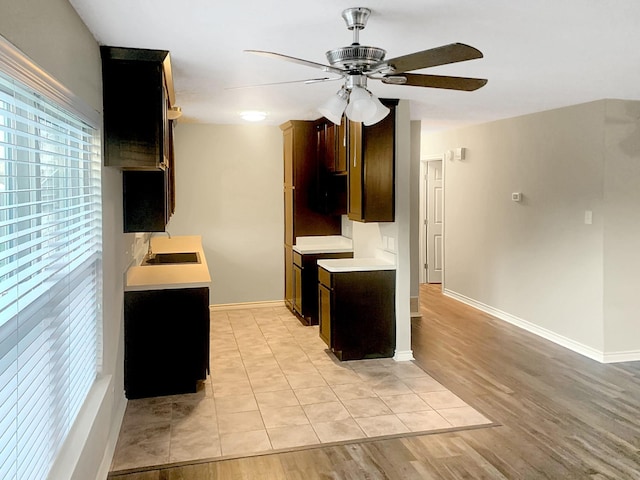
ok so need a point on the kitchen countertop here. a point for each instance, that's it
(170, 276)
(355, 264)
(323, 244)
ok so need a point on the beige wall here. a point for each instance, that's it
(229, 190)
(53, 36)
(622, 228)
(536, 263)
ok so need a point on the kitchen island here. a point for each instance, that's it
(166, 315)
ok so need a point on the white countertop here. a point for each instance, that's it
(355, 264)
(323, 244)
(170, 276)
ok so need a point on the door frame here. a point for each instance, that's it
(424, 160)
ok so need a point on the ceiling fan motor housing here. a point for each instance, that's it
(355, 56)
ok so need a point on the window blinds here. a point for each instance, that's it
(50, 275)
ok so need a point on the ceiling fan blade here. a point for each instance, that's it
(299, 61)
(452, 53)
(435, 81)
(307, 81)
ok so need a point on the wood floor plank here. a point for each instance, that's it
(560, 415)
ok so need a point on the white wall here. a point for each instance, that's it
(51, 34)
(537, 263)
(229, 190)
(622, 230)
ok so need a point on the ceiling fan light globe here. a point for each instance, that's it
(361, 106)
(334, 108)
(380, 113)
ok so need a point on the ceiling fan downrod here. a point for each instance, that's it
(356, 19)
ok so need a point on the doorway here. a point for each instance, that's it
(432, 219)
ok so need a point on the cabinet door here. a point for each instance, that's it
(355, 171)
(134, 82)
(287, 138)
(342, 146)
(288, 215)
(378, 160)
(372, 170)
(166, 341)
(171, 200)
(297, 289)
(288, 276)
(330, 195)
(324, 312)
(145, 201)
(326, 145)
(330, 145)
(363, 314)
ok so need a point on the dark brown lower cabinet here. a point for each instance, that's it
(297, 283)
(305, 284)
(357, 313)
(166, 341)
(324, 313)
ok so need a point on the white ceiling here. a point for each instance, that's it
(538, 54)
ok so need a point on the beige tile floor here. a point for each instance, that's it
(274, 385)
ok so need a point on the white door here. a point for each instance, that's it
(434, 221)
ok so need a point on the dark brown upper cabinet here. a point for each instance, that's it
(137, 92)
(331, 179)
(332, 142)
(371, 166)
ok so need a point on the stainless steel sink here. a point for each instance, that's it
(171, 258)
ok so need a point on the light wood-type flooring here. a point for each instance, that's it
(561, 415)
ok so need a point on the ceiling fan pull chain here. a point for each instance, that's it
(355, 154)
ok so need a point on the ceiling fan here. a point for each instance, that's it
(356, 63)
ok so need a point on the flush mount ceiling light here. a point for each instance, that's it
(356, 63)
(253, 115)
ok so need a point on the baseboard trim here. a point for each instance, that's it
(414, 307)
(245, 305)
(403, 356)
(589, 352)
(114, 434)
(617, 357)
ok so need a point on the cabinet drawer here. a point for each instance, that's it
(297, 259)
(324, 277)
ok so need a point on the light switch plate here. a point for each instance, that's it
(588, 217)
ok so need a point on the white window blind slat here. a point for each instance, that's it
(50, 270)
(8, 468)
(7, 435)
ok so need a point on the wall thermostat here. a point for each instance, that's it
(516, 197)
